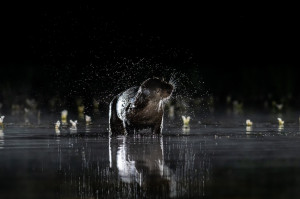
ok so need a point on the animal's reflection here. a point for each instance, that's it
(141, 160)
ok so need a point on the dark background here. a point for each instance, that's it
(249, 53)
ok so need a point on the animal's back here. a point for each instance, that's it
(117, 108)
(124, 100)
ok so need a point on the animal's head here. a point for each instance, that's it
(156, 88)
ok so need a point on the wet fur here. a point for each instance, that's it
(139, 108)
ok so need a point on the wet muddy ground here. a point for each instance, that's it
(216, 158)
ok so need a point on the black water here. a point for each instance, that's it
(218, 158)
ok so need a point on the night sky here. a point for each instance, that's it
(247, 53)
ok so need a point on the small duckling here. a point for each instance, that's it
(171, 111)
(74, 124)
(57, 124)
(280, 121)
(80, 109)
(64, 115)
(186, 120)
(279, 106)
(96, 104)
(88, 119)
(1, 120)
(249, 123)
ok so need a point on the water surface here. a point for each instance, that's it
(218, 158)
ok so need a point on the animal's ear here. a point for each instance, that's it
(160, 78)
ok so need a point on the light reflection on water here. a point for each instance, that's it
(208, 161)
(135, 167)
(1, 138)
(140, 160)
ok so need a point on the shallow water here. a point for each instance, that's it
(217, 158)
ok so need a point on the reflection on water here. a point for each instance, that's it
(57, 131)
(249, 129)
(134, 167)
(142, 162)
(207, 162)
(87, 128)
(186, 130)
(280, 128)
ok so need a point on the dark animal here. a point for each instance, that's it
(139, 107)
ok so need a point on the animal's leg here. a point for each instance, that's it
(157, 128)
(115, 124)
(128, 128)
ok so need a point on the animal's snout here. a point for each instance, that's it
(168, 88)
